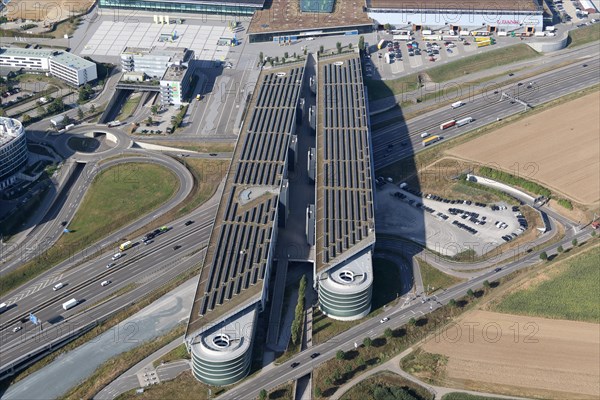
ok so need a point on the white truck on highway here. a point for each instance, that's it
(113, 123)
(3, 307)
(70, 304)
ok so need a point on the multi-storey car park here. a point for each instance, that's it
(68, 67)
(345, 225)
(233, 283)
(13, 150)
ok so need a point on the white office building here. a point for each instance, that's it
(63, 65)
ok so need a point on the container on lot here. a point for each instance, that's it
(464, 33)
(539, 34)
(426, 32)
(502, 33)
(69, 304)
(433, 38)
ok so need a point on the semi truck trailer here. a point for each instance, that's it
(70, 304)
(448, 124)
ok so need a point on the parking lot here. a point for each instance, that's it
(111, 38)
(446, 226)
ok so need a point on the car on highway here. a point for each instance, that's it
(294, 364)
(117, 256)
(105, 283)
(188, 223)
(315, 355)
(64, 223)
(213, 154)
(498, 270)
(110, 265)
(17, 328)
(176, 247)
(384, 320)
(58, 286)
(584, 65)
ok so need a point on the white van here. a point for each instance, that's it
(58, 286)
(117, 256)
(457, 104)
(105, 283)
(424, 134)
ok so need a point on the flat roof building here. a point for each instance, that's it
(170, 65)
(224, 7)
(66, 66)
(462, 15)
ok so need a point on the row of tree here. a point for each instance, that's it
(299, 312)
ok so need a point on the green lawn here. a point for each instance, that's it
(385, 386)
(571, 293)
(467, 396)
(434, 278)
(118, 196)
(580, 36)
(178, 353)
(207, 174)
(480, 62)
(129, 106)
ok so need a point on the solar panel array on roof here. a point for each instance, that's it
(344, 192)
(242, 235)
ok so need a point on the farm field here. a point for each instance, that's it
(44, 10)
(570, 290)
(517, 355)
(558, 152)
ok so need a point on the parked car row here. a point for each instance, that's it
(465, 227)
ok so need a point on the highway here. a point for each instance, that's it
(145, 266)
(484, 109)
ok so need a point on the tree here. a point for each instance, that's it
(321, 49)
(261, 57)
(340, 355)
(594, 233)
(154, 109)
(452, 303)
(361, 43)
(388, 333)
(262, 395)
(543, 256)
(560, 249)
(367, 342)
(56, 106)
(574, 242)
(80, 113)
(318, 392)
(286, 55)
(85, 93)
(67, 120)
(40, 110)
(149, 121)
(92, 109)
(26, 118)
(486, 284)
(412, 322)
(471, 293)
(350, 46)
(387, 27)
(338, 45)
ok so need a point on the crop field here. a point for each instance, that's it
(516, 355)
(45, 10)
(558, 152)
(570, 290)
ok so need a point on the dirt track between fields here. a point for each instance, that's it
(559, 147)
(521, 356)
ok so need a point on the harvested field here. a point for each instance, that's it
(519, 356)
(562, 153)
(45, 10)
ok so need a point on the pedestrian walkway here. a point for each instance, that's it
(393, 365)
